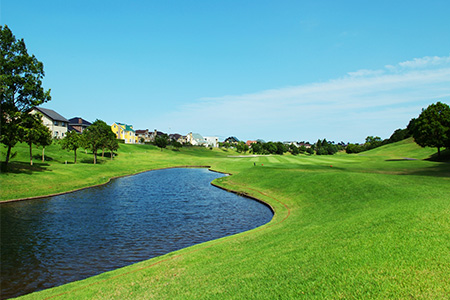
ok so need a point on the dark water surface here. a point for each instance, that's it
(56, 240)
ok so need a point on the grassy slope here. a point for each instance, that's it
(371, 226)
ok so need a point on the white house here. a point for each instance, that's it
(195, 139)
(54, 121)
(212, 141)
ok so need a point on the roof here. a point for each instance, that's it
(197, 136)
(126, 126)
(175, 136)
(50, 113)
(231, 139)
(75, 121)
(141, 131)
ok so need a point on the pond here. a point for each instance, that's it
(51, 241)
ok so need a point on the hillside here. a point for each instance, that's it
(366, 226)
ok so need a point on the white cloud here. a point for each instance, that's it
(424, 62)
(365, 102)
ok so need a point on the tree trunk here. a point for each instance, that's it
(8, 153)
(103, 152)
(95, 157)
(439, 153)
(31, 154)
(43, 154)
(112, 155)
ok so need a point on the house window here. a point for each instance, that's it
(56, 133)
(56, 123)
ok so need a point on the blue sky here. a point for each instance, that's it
(274, 70)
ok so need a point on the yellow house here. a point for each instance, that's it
(124, 132)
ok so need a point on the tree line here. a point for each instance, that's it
(21, 90)
(430, 129)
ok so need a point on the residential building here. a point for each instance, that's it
(232, 140)
(211, 141)
(57, 124)
(124, 132)
(155, 134)
(78, 124)
(195, 139)
(142, 136)
(177, 137)
(249, 143)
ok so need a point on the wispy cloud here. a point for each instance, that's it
(364, 102)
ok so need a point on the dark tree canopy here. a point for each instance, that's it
(432, 127)
(71, 142)
(21, 88)
(97, 136)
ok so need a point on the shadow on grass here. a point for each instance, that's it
(445, 156)
(91, 160)
(39, 157)
(440, 170)
(17, 167)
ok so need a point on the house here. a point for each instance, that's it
(211, 141)
(78, 124)
(178, 138)
(195, 139)
(124, 132)
(155, 134)
(57, 124)
(232, 140)
(142, 136)
(249, 143)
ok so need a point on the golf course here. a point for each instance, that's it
(373, 225)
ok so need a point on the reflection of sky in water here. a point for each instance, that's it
(52, 241)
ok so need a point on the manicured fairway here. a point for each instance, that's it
(368, 226)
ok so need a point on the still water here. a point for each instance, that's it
(56, 240)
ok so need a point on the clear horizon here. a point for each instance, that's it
(283, 70)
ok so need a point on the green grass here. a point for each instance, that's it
(365, 226)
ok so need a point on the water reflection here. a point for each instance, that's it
(52, 241)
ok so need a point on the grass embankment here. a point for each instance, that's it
(374, 225)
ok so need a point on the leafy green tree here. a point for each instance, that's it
(432, 127)
(112, 145)
(32, 131)
(302, 149)
(281, 148)
(294, 149)
(177, 145)
(71, 142)
(354, 148)
(310, 150)
(257, 148)
(242, 147)
(373, 142)
(399, 135)
(20, 87)
(96, 136)
(270, 147)
(161, 141)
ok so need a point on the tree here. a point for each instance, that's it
(294, 149)
(71, 142)
(432, 127)
(32, 131)
(20, 86)
(242, 147)
(112, 145)
(177, 145)
(96, 137)
(373, 142)
(161, 141)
